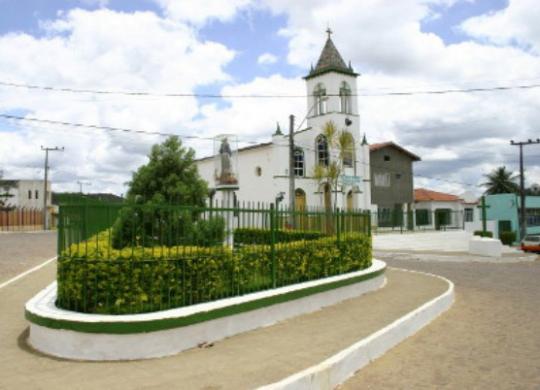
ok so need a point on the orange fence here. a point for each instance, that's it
(21, 219)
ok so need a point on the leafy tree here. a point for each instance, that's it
(501, 181)
(170, 176)
(340, 147)
(341, 143)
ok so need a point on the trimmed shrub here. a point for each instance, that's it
(264, 236)
(507, 237)
(482, 234)
(93, 277)
(138, 225)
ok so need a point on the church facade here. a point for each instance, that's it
(263, 169)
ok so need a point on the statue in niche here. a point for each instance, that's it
(226, 176)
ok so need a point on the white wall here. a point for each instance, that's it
(274, 159)
(24, 194)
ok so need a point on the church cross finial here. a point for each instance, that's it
(329, 32)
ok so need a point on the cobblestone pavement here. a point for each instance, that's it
(489, 339)
(22, 251)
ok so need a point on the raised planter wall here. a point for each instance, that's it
(82, 336)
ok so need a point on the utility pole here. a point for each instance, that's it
(291, 170)
(81, 183)
(45, 214)
(523, 209)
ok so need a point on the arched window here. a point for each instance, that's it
(320, 99)
(321, 146)
(299, 162)
(345, 98)
(348, 149)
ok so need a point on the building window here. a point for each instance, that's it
(29, 194)
(258, 171)
(321, 145)
(469, 215)
(36, 194)
(398, 176)
(381, 179)
(299, 163)
(348, 153)
(533, 217)
(386, 157)
(320, 99)
(345, 98)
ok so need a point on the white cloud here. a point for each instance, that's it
(267, 59)
(104, 50)
(387, 45)
(519, 22)
(199, 12)
(460, 136)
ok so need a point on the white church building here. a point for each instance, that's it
(263, 169)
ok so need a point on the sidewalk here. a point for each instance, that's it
(240, 362)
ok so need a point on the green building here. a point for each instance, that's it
(504, 208)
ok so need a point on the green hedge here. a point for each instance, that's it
(507, 237)
(264, 236)
(93, 277)
(482, 234)
(150, 226)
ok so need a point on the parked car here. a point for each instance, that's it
(531, 243)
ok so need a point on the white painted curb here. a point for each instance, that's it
(341, 366)
(102, 346)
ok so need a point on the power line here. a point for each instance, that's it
(98, 127)
(263, 96)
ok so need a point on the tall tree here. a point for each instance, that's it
(170, 176)
(501, 181)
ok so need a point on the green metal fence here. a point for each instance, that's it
(119, 258)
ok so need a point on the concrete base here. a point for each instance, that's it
(485, 246)
(50, 334)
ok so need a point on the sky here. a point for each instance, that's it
(245, 47)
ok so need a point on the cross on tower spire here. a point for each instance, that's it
(329, 32)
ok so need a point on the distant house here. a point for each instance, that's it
(503, 210)
(391, 181)
(26, 194)
(438, 210)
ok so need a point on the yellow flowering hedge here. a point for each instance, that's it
(93, 277)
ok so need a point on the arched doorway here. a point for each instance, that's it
(300, 199)
(350, 201)
(301, 218)
(327, 197)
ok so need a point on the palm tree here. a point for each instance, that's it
(501, 181)
(342, 142)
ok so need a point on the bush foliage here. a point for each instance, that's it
(507, 237)
(161, 226)
(94, 277)
(483, 234)
(264, 236)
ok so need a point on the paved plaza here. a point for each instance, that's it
(20, 251)
(488, 339)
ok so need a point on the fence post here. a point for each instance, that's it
(273, 242)
(369, 223)
(338, 235)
